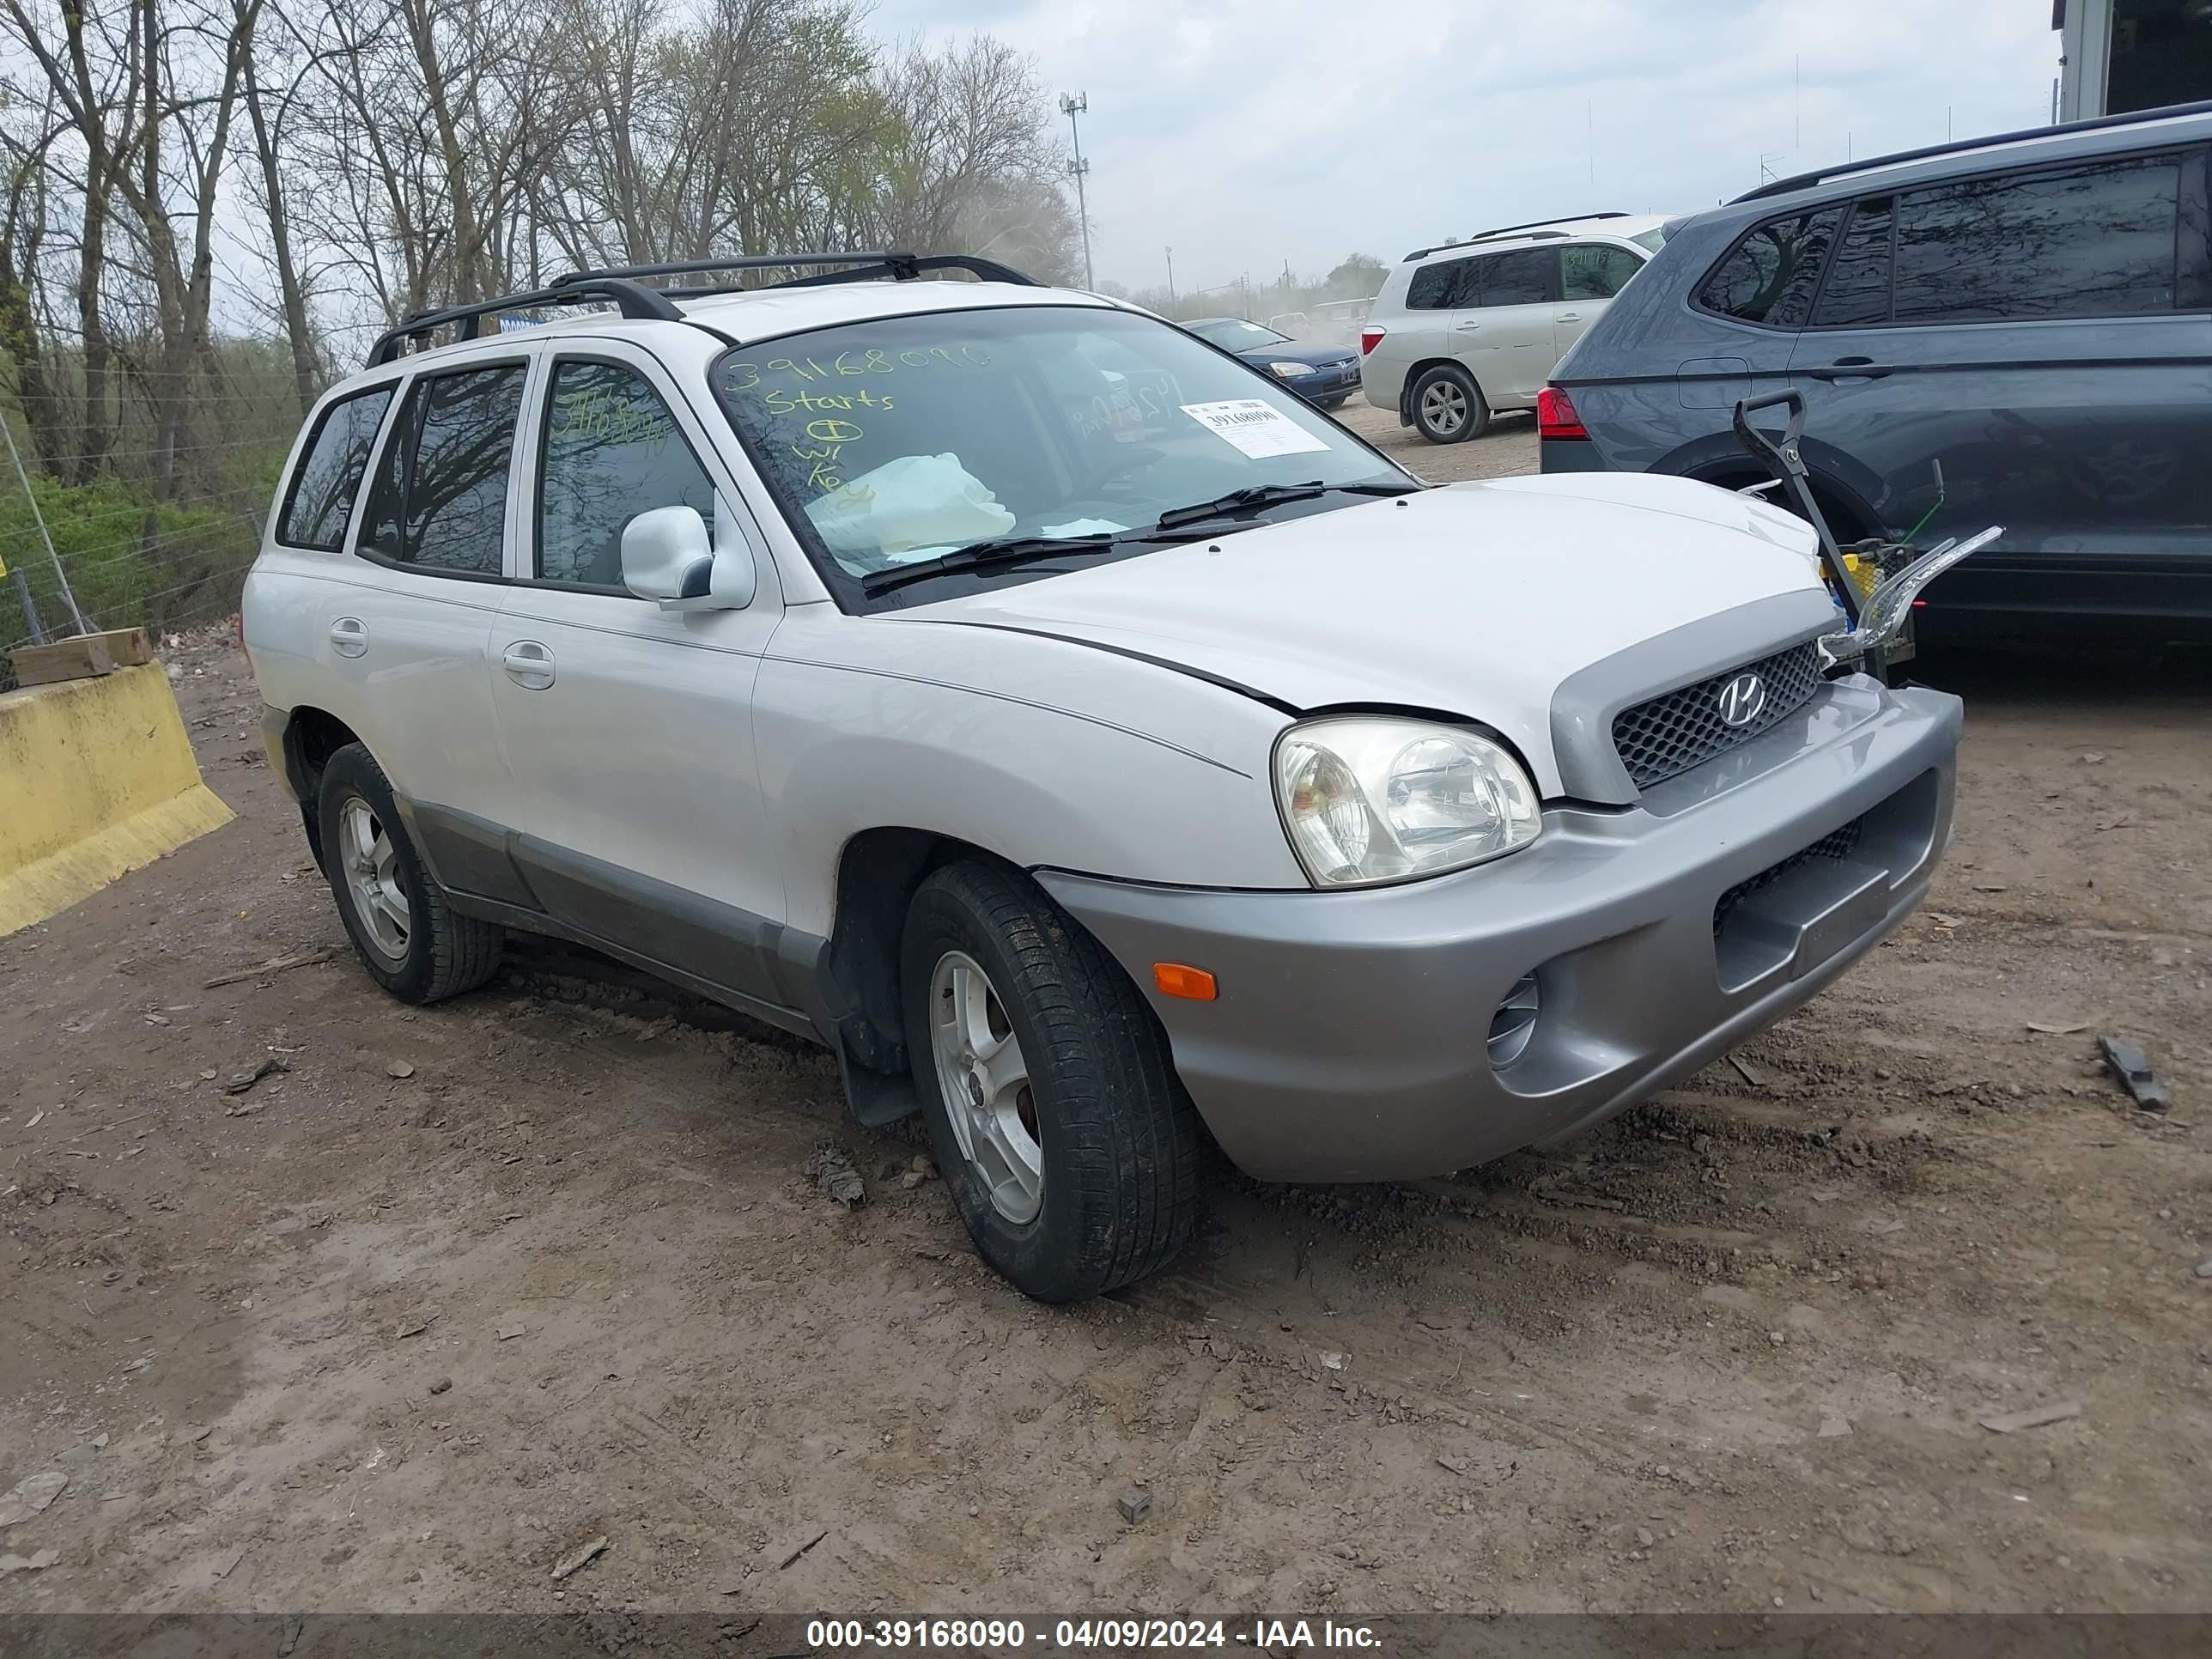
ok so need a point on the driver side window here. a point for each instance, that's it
(611, 450)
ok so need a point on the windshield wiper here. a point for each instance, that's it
(1003, 550)
(1254, 496)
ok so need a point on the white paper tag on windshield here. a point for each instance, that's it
(1258, 428)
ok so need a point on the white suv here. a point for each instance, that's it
(1468, 328)
(1090, 742)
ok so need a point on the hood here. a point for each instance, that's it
(1292, 351)
(1474, 600)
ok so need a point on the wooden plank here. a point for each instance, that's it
(86, 657)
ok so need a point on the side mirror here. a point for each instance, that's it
(667, 555)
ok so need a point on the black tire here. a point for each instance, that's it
(1120, 1144)
(1436, 385)
(443, 953)
(1337, 401)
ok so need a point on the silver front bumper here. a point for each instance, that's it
(1348, 1042)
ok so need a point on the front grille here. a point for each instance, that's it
(1836, 844)
(1670, 734)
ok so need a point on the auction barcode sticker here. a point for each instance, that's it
(1258, 428)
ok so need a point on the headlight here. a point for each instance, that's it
(1291, 371)
(1368, 799)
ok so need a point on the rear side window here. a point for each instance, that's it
(1857, 291)
(1769, 276)
(439, 498)
(2090, 240)
(1447, 285)
(1518, 279)
(612, 451)
(320, 499)
(1595, 272)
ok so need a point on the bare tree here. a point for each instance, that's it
(270, 126)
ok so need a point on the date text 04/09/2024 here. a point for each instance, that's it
(1102, 1635)
(1271, 1635)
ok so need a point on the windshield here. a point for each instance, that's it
(894, 441)
(1233, 334)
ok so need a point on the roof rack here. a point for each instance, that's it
(1873, 163)
(864, 267)
(1508, 230)
(635, 302)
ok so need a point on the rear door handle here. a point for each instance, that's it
(1851, 368)
(528, 665)
(349, 637)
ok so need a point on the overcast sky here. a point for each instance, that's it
(1246, 132)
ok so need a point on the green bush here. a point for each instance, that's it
(129, 562)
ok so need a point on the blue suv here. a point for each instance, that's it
(2017, 330)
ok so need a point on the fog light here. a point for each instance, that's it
(1515, 1022)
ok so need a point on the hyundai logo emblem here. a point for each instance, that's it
(1742, 700)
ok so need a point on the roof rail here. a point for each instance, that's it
(862, 267)
(1508, 230)
(1873, 163)
(637, 302)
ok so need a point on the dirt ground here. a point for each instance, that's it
(454, 1290)
(1509, 446)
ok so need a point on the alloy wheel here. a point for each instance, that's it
(1443, 407)
(985, 1080)
(372, 878)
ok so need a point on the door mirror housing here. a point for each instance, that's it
(667, 555)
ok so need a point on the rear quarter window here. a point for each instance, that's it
(1770, 276)
(1447, 285)
(319, 499)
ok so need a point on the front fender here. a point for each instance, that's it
(1042, 751)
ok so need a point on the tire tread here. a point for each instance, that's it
(464, 951)
(1132, 1138)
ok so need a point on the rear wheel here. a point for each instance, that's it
(1448, 407)
(407, 936)
(1065, 1137)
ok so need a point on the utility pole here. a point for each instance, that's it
(1171, 298)
(1071, 105)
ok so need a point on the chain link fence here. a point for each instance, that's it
(88, 540)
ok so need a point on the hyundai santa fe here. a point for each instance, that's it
(1095, 748)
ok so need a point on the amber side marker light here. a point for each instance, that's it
(1177, 979)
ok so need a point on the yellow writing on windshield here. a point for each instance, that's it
(850, 365)
(778, 401)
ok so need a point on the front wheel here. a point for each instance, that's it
(1065, 1138)
(1448, 407)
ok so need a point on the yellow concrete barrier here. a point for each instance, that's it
(96, 778)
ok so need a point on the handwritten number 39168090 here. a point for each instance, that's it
(828, 438)
(872, 360)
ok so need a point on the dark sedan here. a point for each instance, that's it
(1322, 375)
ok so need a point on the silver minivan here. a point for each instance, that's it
(1465, 329)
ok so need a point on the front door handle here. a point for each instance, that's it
(1851, 368)
(1570, 316)
(349, 637)
(528, 665)
(1467, 328)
